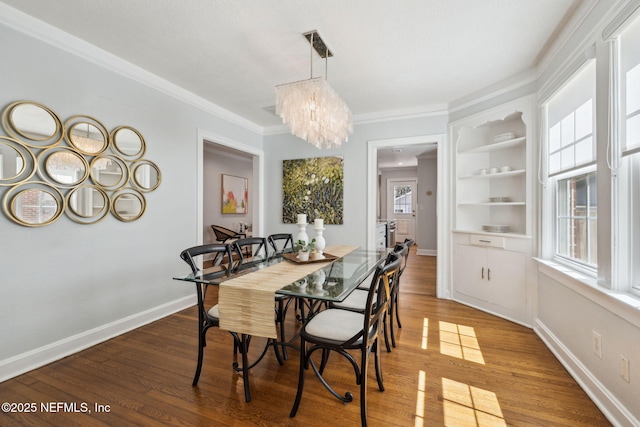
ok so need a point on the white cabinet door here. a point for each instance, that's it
(470, 271)
(506, 279)
(494, 276)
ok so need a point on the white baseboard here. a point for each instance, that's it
(427, 252)
(25, 362)
(611, 407)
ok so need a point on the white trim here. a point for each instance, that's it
(257, 184)
(427, 252)
(443, 245)
(614, 410)
(36, 358)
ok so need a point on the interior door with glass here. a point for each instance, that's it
(401, 206)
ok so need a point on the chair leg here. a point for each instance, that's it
(303, 366)
(378, 364)
(395, 304)
(245, 366)
(363, 387)
(201, 345)
(385, 326)
(392, 308)
(280, 318)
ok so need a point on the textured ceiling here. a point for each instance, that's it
(391, 58)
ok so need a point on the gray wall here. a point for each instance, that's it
(67, 285)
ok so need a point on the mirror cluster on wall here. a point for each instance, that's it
(76, 167)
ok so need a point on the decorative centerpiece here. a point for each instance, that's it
(305, 249)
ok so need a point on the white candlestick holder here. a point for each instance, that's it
(302, 233)
(320, 242)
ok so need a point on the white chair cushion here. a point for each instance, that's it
(214, 312)
(357, 300)
(335, 324)
(366, 283)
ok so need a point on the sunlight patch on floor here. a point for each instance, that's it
(425, 333)
(465, 405)
(460, 341)
(420, 399)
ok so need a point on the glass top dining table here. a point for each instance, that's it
(333, 280)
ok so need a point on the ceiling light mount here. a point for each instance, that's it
(318, 44)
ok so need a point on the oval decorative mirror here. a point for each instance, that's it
(34, 204)
(62, 167)
(128, 205)
(17, 162)
(87, 135)
(146, 175)
(32, 123)
(87, 204)
(128, 142)
(109, 171)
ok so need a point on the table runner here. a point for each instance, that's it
(246, 302)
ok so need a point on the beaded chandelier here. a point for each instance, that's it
(312, 109)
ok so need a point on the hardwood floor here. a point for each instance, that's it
(453, 366)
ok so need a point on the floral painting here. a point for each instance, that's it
(314, 187)
(235, 194)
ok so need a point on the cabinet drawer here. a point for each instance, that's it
(482, 240)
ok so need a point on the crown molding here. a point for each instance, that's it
(54, 36)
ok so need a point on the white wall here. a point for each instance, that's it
(66, 286)
(428, 182)
(215, 163)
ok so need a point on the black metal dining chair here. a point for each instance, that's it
(248, 251)
(336, 330)
(409, 243)
(281, 243)
(356, 301)
(207, 317)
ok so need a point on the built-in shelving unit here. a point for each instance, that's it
(492, 177)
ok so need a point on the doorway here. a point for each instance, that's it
(442, 200)
(401, 207)
(208, 139)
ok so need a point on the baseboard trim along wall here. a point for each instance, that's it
(44, 355)
(611, 407)
(427, 252)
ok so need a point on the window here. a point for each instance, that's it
(628, 206)
(402, 202)
(577, 218)
(571, 169)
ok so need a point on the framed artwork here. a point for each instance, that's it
(235, 194)
(314, 187)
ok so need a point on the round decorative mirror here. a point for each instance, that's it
(62, 167)
(87, 135)
(32, 123)
(128, 142)
(146, 175)
(109, 172)
(17, 163)
(128, 205)
(34, 204)
(87, 204)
